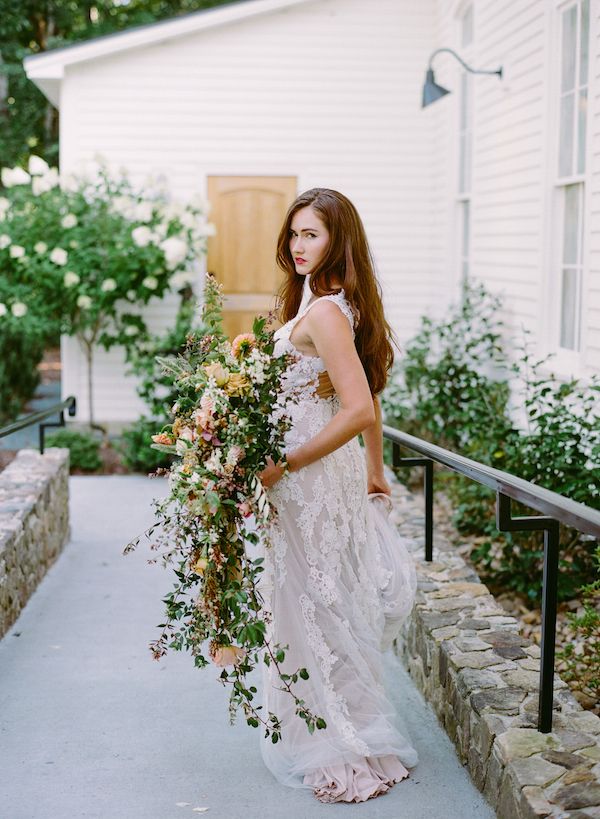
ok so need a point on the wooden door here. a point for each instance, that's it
(248, 212)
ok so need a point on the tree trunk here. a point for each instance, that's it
(88, 345)
(3, 90)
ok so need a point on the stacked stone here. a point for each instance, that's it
(481, 677)
(34, 525)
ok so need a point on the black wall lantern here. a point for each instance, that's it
(432, 91)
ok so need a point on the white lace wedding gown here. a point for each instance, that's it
(320, 588)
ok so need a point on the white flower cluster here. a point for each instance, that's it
(69, 221)
(214, 394)
(70, 278)
(182, 278)
(214, 462)
(59, 256)
(42, 177)
(18, 309)
(254, 366)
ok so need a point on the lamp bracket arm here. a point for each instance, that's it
(463, 63)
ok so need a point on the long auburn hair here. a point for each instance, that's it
(347, 259)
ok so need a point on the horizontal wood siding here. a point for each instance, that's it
(328, 92)
(513, 165)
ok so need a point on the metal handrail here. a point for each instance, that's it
(69, 403)
(555, 508)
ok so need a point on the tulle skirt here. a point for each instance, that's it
(337, 585)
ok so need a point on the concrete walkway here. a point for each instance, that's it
(92, 726)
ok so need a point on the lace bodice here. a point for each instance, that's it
(301, 377)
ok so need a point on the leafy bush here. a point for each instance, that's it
(21, 350)
(156, 387)
(452, 387)
(83, 448)
(579, 661)
(136, 450)
(90, 253)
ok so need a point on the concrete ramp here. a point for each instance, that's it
(91, 726)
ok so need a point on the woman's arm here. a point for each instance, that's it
(373, 440)
(331, 335)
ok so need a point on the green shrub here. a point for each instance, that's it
(20, 354)
(452, 387)
(83, 448)
(135, 447)
(579, 661)
(22, 342)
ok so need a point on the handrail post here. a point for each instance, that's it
(72, 409)
(506, 523)
(427, 464)
(549, 605)
(428, 510)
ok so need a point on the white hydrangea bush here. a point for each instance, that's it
(89, 252)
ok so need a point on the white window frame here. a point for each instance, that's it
(565, 363)
(463, 198)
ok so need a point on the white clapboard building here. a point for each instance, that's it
(250, 103)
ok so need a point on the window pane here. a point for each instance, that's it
(571, 225)
(467, 27)
(581, 126)
(584, 43)
(565, 153)
(569, 20)
(568, 310)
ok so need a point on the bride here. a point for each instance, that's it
(320, 581)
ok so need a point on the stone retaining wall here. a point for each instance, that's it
(34, 525)
(481, 678)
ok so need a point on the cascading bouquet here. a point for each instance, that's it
(222, 432)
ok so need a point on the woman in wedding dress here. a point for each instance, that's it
(320, 583)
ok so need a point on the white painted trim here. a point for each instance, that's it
(46, 70)
(588, 188)
(565, 363)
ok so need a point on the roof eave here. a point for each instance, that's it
(47, 69)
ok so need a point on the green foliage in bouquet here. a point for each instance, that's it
(226, 422)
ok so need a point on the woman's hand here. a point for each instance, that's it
(377, 483)
(271, 473)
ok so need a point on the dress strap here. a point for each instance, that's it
(340, 300)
